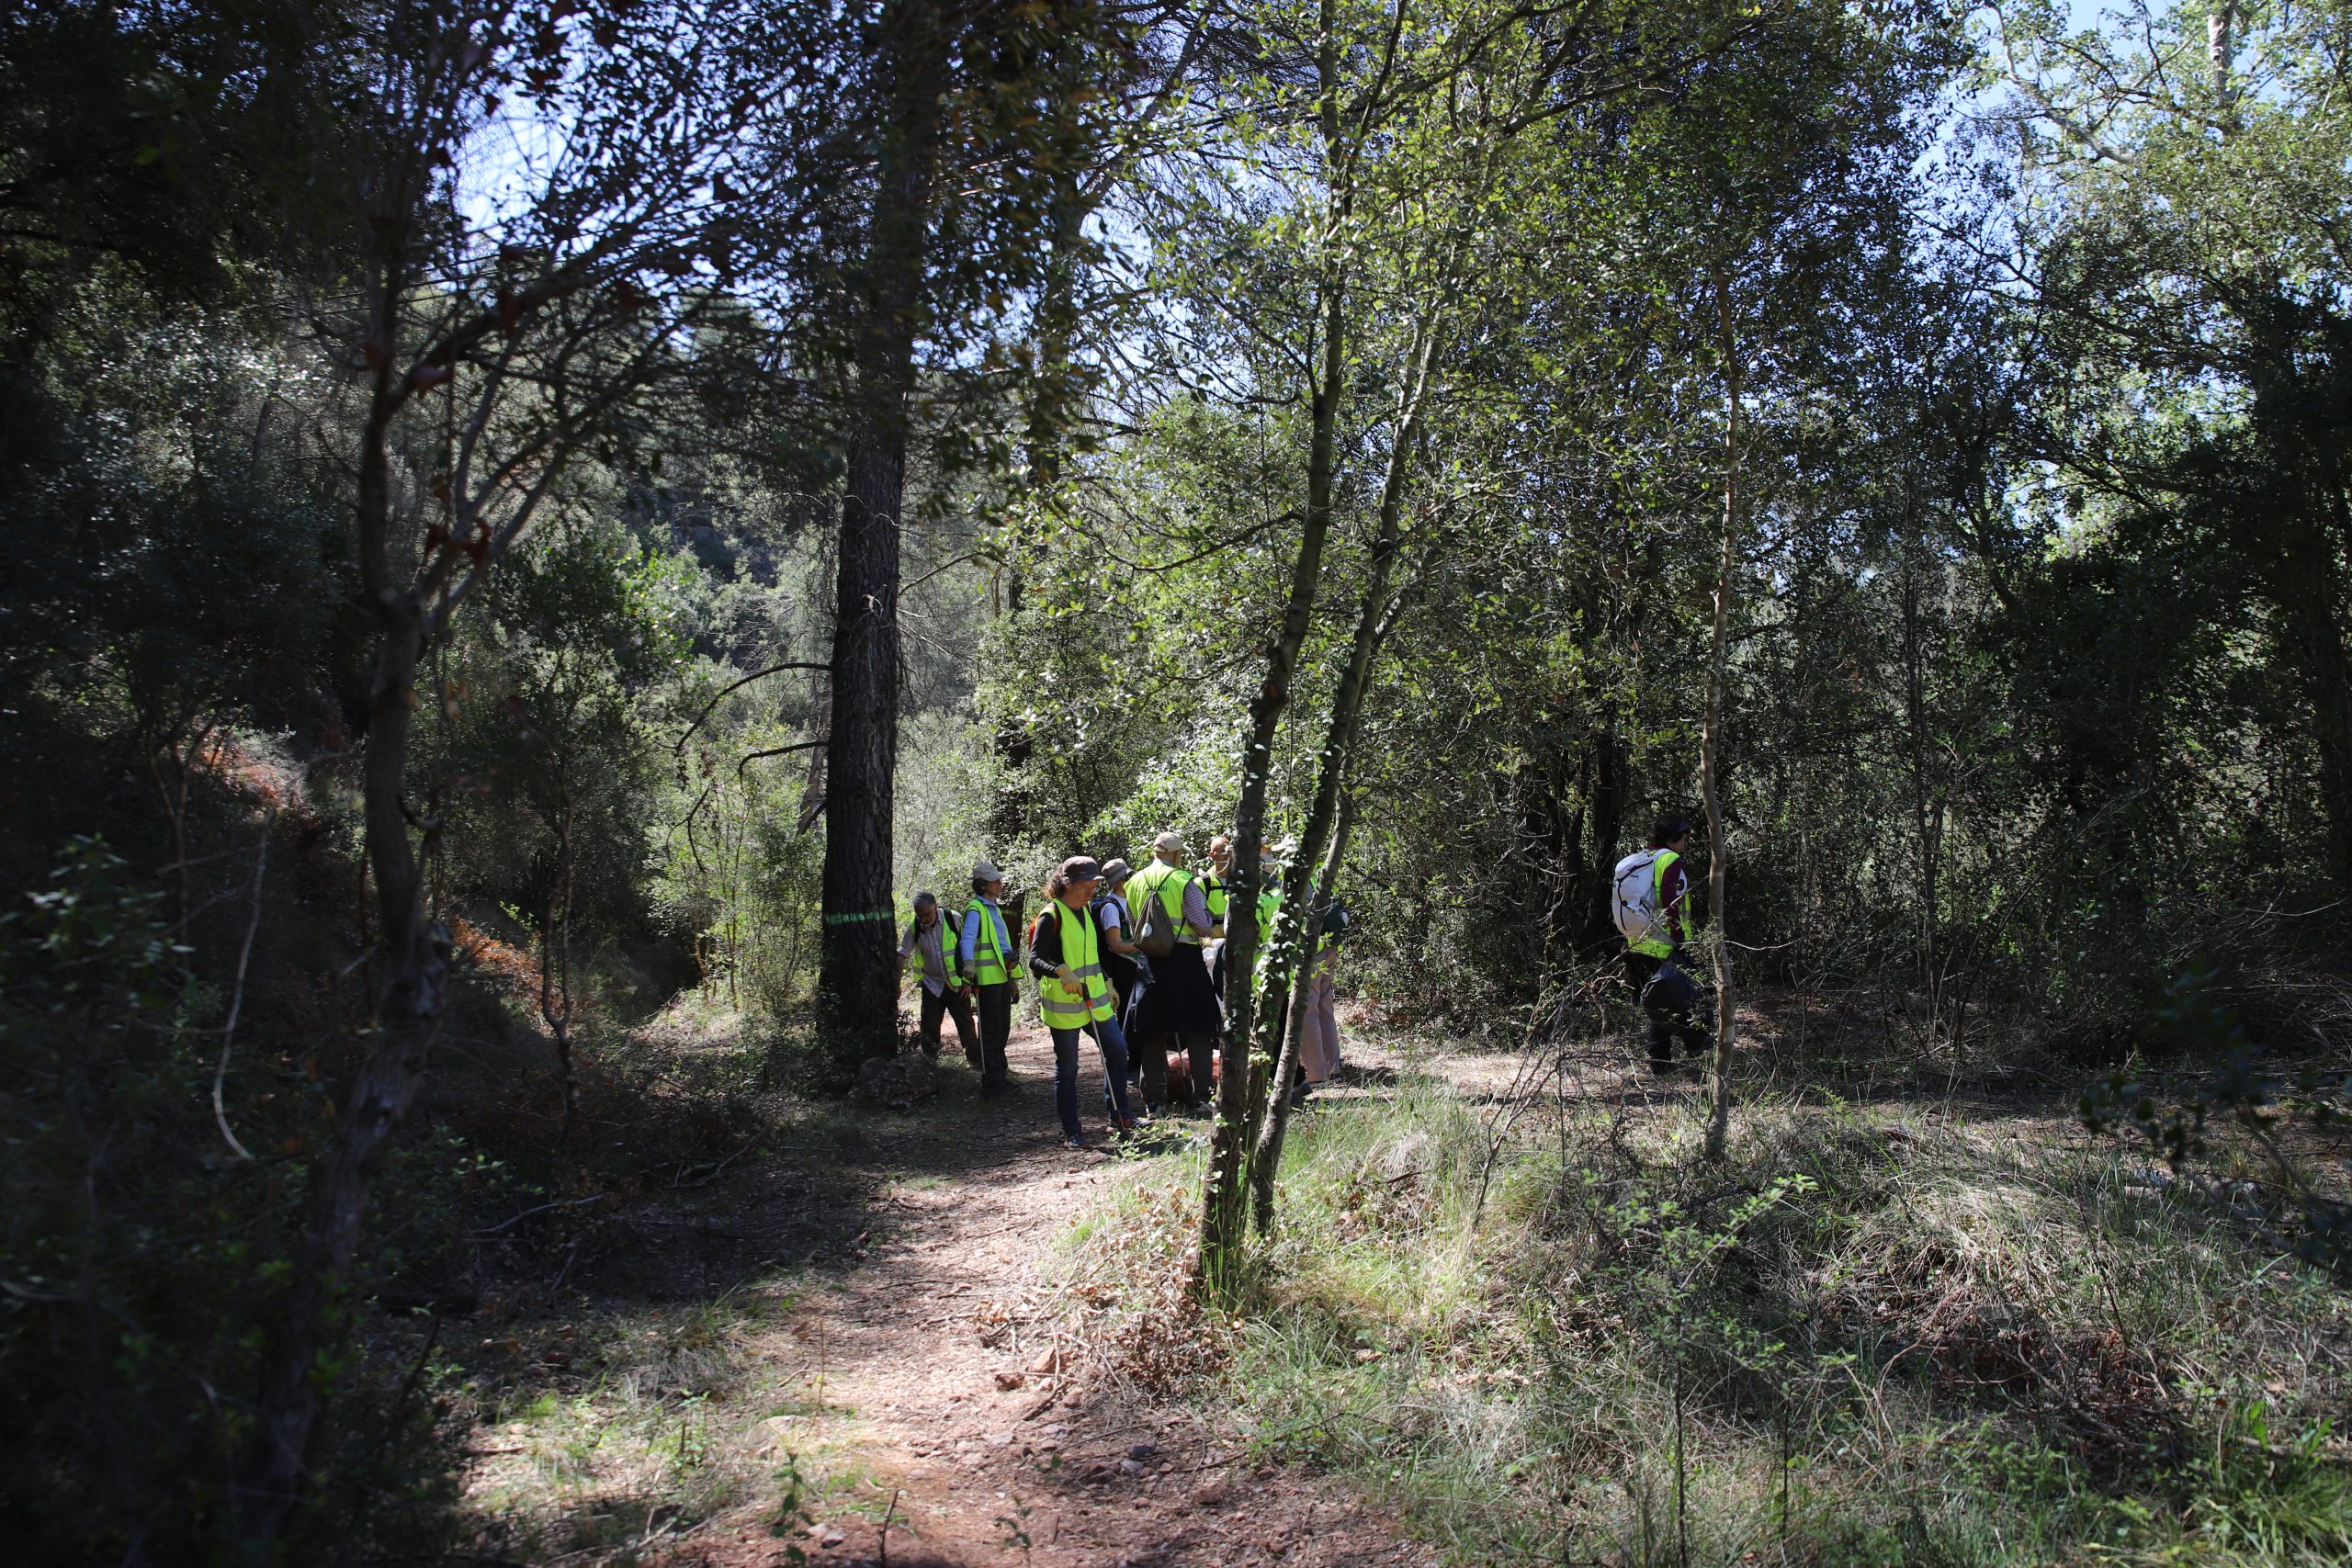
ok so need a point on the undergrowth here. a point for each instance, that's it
(1874, 1334)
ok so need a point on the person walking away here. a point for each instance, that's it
(1177, 1009)
(1073, 996)
(984, 957)
(930, 947)
(1651, 901)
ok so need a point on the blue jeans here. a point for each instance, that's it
(1114, 1072)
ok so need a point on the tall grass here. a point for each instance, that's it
(1897, 1334)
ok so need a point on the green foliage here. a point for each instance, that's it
(130, 1266)
(1871, 1336)
(2236, 1091)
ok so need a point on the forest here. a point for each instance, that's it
(1359, 574)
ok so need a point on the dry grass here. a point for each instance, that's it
(1905, 1332)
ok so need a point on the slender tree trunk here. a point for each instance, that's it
(2307, 588)
(1222, 1206)
(2220, 48)
(555, 962)
(1053, 396)
(1373, 619)
(1925, 813)
(1223, 1212)
(1266, 1162)
(1294, 922)
(308, 1327)
(857, 978)
(1710, 749)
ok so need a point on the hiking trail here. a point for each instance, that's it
(938, 1396)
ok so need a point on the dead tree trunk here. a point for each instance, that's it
(857, 971)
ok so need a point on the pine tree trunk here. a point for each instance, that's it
(857, 976)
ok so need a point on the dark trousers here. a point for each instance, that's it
(996, 1028)
(1666, 1025)
(1114, 1072)
(950, 1004)
(1152, 1051)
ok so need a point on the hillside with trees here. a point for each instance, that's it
(532, 530)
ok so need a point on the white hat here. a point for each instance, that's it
(1168, 843)
(987, 872)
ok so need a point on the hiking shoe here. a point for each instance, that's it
(1076, 1142)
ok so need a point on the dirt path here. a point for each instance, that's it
(927, 1400)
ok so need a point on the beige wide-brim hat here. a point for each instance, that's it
(1168, 843)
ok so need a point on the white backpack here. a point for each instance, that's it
(1634, 901)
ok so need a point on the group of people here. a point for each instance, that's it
(1135, 960)
(1132, 958)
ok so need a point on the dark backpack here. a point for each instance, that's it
(1336, 922)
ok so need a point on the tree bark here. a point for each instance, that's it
(1294, 922)
(812, 784)
(857, 978)
(1266, 1162)
(1225, 1192)
(1710, 748)
(555, 960)
(1221, 1208)
(277, 1474)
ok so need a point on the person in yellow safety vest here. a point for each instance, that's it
(1178, 1008)
(929, 949)
(1270, 894)
(1656, 922)
(984, 956)
(1213, 892)
(1073, 996)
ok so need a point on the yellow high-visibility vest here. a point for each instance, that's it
(1086, 995)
